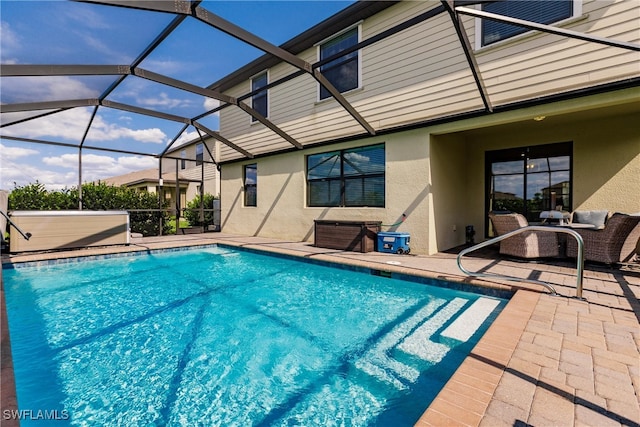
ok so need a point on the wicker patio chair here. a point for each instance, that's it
(615, 243)
(530, 244)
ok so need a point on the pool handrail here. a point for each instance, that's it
(27, 235)
(554, 229)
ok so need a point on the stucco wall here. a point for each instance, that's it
(607, 165)
(450, 182)
(281, 210)
(436, 175)
(606, 161)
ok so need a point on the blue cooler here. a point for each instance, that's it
(393, 243)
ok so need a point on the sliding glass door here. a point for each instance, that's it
(529, 180)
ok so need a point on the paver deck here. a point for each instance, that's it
(546, 360)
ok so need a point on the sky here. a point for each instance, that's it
(65, 33)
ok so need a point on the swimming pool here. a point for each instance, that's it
(216, 336)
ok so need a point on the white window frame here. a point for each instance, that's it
(318, 45)
(252, 120)
(576, 14)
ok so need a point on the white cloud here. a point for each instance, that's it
(141, 92)
(163, 100)
(164, 67)
(102, 131)
(184, 138)
(95, 166)
(86, 17)
(358, 158)
(8, 153)
(46, 88)
(71, 125)
(210, 104)
(9, 42)
(12, 174)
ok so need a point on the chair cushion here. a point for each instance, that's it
(596, 218)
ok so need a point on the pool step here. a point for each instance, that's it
(463, 328)
(420, 341)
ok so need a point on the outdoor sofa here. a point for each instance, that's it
(614, 242)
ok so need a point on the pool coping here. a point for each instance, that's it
(473, 383)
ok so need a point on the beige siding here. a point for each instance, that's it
(421, 73)
(536, 64)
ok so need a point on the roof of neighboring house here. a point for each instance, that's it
(147, 175)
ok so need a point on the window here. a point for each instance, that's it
(529, 180)
(199, 154)
(350, 178)
(183, 161)
(259, 101)
(251, 185)
(341, 72)
(540, 11)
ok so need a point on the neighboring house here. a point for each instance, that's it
(148, 180)
(189, 164)
(415, 131)
(193, 162)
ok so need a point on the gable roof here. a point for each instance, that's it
(147, 175)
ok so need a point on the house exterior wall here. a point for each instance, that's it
(435, 173)
(281, 209)
(421, 73)
(606, 158)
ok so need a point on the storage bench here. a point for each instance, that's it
(357, 236)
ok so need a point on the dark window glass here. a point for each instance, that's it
(540, 11)
(199, 154)
(183, 161)
(342, 72)
(354, 177)
(259, 100)
(251, 185)
(529, 180)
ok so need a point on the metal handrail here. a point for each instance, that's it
(554, 229)
(27, 235)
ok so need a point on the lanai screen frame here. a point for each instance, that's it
(192, 9)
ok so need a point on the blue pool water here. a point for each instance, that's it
(222, 337)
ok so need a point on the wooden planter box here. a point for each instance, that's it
(357, 236)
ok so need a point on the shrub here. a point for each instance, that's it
(192, 212)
